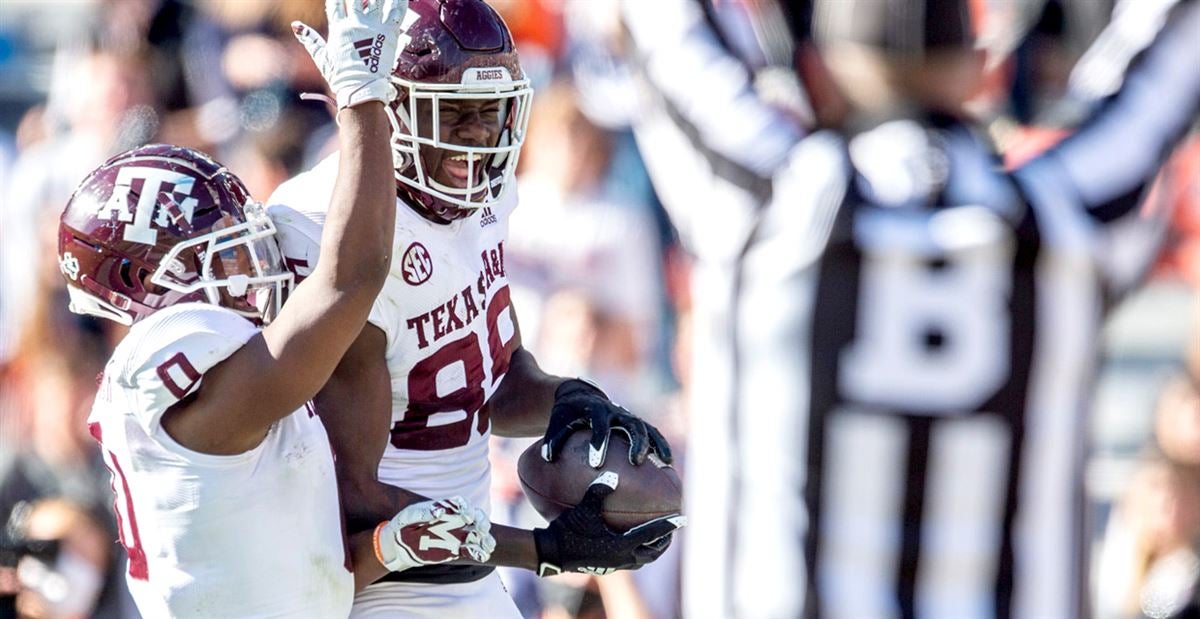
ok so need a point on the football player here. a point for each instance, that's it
(226, 493)
(440, 365)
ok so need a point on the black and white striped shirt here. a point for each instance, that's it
(895, 337)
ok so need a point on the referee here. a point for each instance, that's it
(896, 337)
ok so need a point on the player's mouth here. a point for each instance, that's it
(457, 167)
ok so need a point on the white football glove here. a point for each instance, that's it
(433, 532)
(361, 52)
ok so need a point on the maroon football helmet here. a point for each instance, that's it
(160, 225)
(456, 49)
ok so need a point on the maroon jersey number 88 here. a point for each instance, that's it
(414, 432)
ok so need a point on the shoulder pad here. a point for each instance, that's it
(299, 238)
(164, 357)
(307, 193)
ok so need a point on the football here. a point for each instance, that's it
(643, 492)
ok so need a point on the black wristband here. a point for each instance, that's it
(546, 548)
(572, 386)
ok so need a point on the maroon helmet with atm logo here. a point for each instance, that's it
(456, 50)
(160, 225)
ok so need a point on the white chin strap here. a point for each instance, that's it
(82, 302)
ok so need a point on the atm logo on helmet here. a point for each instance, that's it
(149, 183)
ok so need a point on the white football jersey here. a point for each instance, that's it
(257, 534)
(450, 331)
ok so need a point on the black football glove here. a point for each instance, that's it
(579, 541)
(579, 404)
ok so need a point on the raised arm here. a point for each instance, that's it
(705, 89)
(1115, 154)
(703, 131)
(278, 370)
(1098, 178)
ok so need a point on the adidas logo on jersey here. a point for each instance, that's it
(370, 50)
(488, 217)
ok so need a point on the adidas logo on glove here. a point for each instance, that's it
(370, 50)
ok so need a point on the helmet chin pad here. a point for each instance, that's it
(93, 305)
(237, 284)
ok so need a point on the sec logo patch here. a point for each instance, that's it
(416, 266)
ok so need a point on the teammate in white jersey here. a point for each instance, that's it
(440, 365)
(226, 492)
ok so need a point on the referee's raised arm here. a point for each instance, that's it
(1103, 171)
(705, 87)
(1120, 148)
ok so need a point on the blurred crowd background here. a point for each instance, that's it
(600, 281)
